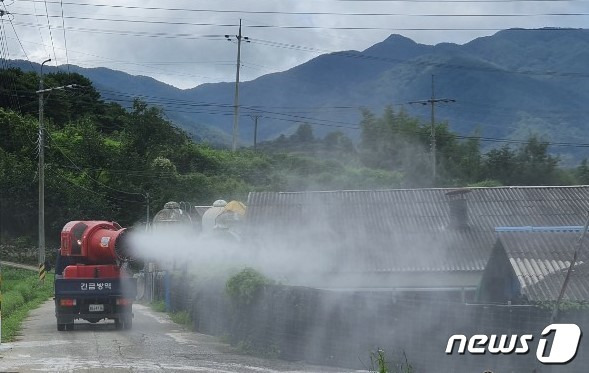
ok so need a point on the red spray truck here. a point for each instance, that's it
(91, 279)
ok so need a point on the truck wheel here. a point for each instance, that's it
(61, 327)
(69, 326)
(118, 324)
(128, 323)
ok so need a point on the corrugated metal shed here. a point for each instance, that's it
(408, 229)
(540, 261)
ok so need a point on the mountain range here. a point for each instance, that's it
(505, 86)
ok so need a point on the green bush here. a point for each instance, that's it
(158, 306)
(182, 318)
(243, 287)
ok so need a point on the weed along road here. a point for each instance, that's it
(154, 344)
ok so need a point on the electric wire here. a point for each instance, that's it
(308, 13)
(419, 130)
(80, 169)
(165, 35)
(357, 55)
(95, 192)
(38, 27)
(360, 55)
(17, 37)
(50, 33)
(276, 26)
(224, 109)
(67, 59)
(5, 56)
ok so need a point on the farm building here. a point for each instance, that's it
(419, 240)
(530, 267)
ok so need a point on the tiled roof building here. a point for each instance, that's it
(404, 238)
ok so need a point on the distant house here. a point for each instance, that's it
(530, 266)
(419, 240)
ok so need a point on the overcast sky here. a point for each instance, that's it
(185, 47)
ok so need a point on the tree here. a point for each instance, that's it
(582, 173)
(536, 165)
(501, 164)
(530, 164)
(395, 142)
(338, 141)
(303, 134)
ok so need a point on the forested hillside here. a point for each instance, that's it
(102, 160)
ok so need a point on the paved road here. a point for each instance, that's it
(154, 344)
(18, 265)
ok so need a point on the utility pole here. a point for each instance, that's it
(433, 101)
(255, 118)
(40, 92)
(563, 289)
(41, 176)
(236, 99)
(147, 218)
(0, 304)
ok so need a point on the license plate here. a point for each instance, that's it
(96, 308)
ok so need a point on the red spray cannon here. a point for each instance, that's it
(94, 242)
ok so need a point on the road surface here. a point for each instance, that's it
(154, 344)
(18, 265)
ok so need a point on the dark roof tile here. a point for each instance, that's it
(407, 229)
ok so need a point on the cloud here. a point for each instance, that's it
(166, 47)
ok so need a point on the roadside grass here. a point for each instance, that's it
(380, 364)
(158, 306)
(181, 317)
(21, 293)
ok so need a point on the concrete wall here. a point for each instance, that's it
(342, 328)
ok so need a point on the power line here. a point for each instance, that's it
(270, 26)
(419, 130)
(457, 136)
(186, 36)
(360, 55)
(179, 103)
(50, 33)
(4, 57)
(145, 64)
(465, 1)
(17, 37)
(465, 137)
(80, 169)
(95, 192)
(340, 53)
(306, 13)
(257, 109)
(67, 59)
(38, 26)
(174, 104)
